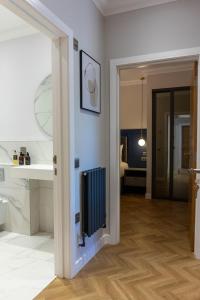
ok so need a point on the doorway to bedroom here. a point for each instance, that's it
(148, 146)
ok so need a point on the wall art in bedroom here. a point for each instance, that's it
(90, 83)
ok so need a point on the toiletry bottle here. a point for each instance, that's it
(21, 159)
(27, 159)
(15, 158)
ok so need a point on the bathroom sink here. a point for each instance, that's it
(35, 171)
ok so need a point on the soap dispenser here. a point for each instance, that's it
(15, 158)
(27, 159)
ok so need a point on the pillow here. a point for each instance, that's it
(121, 149)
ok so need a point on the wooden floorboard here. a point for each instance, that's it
(153, 260)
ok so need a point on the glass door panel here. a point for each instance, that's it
(161, 157)
(181, 144)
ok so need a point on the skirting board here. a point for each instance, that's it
(148, 196)
(91, 252)
(197, 256)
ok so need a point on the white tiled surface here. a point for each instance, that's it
(30, 204)
(41, 152)
(46, 206)
(24, 213)
(26, 265)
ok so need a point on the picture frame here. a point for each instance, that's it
(90, 83)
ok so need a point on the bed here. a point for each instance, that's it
(123, 155)
(133, 161)
(123, 167)
(123, 159)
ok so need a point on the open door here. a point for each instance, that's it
(193, 154)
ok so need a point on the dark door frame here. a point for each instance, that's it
(154, 92)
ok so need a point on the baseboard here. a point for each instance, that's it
(197, 256)
(107, 239)
(90, 253)
(148, 196)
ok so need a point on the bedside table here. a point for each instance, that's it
(135, 177)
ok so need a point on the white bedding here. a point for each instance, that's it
(123, 167)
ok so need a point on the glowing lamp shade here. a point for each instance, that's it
(141, 142)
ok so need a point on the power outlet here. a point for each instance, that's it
(2, 175)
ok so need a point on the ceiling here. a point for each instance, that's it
(111, 7)
(11, 26)
(134, 74)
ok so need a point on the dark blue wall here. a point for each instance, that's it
(136, 153)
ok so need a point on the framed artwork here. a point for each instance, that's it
(90, 76)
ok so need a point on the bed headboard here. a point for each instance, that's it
(134, 155)
(124, 142)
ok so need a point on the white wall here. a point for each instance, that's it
(158, 28)
(131, 107)
(24, 63)
(90, 130)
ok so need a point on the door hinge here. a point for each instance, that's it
(55, 159)
(55, 171)
(77, 163)
(77, 217)
(75, 44)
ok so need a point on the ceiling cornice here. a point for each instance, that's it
(99, 6)
(108, 10)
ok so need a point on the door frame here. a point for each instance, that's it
(171, 91)
(115, 66)
(40, 17)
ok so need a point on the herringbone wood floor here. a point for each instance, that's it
(153, 260)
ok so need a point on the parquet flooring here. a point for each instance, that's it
(153, 260)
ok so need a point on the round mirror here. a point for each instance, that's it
(43, 106)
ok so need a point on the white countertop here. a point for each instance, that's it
(2, 164)
(34, 171)
(35, 167)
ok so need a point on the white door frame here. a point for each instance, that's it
(115, 66)
(35, 13)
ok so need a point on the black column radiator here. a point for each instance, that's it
(93, 202)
